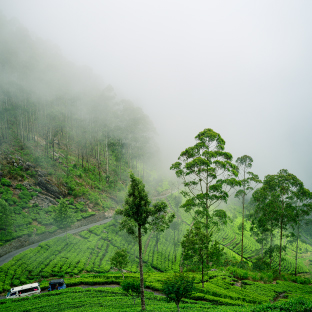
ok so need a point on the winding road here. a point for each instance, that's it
(12, 254)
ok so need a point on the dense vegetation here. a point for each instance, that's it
(58, 124)
(66, 147)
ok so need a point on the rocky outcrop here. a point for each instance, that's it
(43, 201)
(28, 166)
(41, 173)
(47, 186)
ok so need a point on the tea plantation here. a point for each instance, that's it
(83, 259)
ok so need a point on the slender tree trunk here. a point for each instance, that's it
(178, 307)
(141, 269)
(107, 173)
(262, 249)
(53, 149)
(271, 245)
(297, 250)
(174, 246)
(242, 251)
(280, 251)
(203, 272)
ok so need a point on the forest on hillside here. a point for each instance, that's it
(47, 100)
(59, 124)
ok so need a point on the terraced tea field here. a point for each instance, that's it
(90, 251)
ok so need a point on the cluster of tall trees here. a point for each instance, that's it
(282, 205)
(48, 100)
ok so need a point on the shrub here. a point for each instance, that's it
(131, 287)
(177, 287)
(31, 173)
(25, 195)
(293, 305)
(5, 182)
(80, 192)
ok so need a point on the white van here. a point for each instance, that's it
(23, 291)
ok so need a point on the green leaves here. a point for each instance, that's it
(62, 216)
(6, 220)
(131, 287)
(120, 260)
(138, 211)
(207, 172)
(198, 247)
(177, 287)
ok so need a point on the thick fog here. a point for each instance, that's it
(242, 68)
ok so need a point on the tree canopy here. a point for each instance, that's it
(208, 175)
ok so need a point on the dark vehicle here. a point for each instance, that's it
(57, 284)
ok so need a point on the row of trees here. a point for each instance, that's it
(209, 176)
(281, 204)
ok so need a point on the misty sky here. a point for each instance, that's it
(242, 68)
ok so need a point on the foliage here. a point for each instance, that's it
(199, 249)
(293, 305)
(177, 287)
(5, 182)
(63, 217)
(138, 216)
(6, 217)
(208, 174)
(120, 260)
(277, 195)
(131, 287)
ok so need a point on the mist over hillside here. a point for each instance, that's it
(240, 68)
(43, 94)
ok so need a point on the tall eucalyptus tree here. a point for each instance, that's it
(249, 181)
(302, 209)
(208, 175)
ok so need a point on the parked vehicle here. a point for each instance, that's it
(23, 291)
(57, 284)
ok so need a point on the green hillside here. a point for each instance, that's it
(66, 139)
(62, 134)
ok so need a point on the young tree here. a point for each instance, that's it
(131, 287)
(198, 248)
(62, 216)
(139, 217)
(120, 260)
(208, 175)
(177, 287)
(248, 180)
